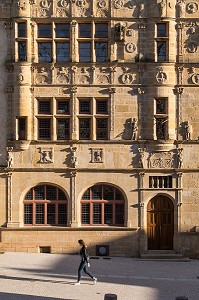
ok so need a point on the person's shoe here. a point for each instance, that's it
(77, 283)
(94, 280)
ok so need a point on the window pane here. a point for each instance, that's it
(22, 128)
(84, 129)
(161, 30)
(44, 30)
(161, 128)
(84, 52)
(28, 214)
(118, 195)
(84, 30)
(108, 213)
(22, 29)
(97, 214)
(44, 107)
(161, 51)
(101, 30)
(51, 214)
(102, 107)
(101, 50)
(84, 107)
(85, 213)
(61, 195)
(86, 195)
(62, 30)
(62, 52)
(108, 193)
(51, 192)
(39, 192)
(39, 213)
(62, 214)
(22, 51)
(63, 129)
(44, 128)
(63, 107)
(119, 214)
(97, 192)
(45, 52)
(101, 129)
(161, 107)
(29, 195)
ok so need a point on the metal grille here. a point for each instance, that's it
(85, 213)
(44, 107)
(63, 107)
(97, 213)
(161, 128)
(97, 192)
(119, 214)
(28, 214)
(51, 192)
(161, 106)
(86, 195)
(29, 195)
(102, 107)
(63, 129)
(39, 213)
(44, 128)
(51, 214)
(101, 129)
(108, 193)
(108, 213)
(61, 195)
(84, 106)
(84, 129)
(39, 192)
(62, 214)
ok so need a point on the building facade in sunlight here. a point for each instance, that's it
(99, 126)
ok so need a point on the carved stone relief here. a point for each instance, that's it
(73, 157)
(102, 8)
(45, 8)
(83, 8)
(130, 47)
(63, 8)
(161, 76)
(161, 160)
(180, 7)
(195, 78)
(46, 155)
(179, 157)
(42, 76)
(162, 7)
(62, 75)
(118, 4)
(104, 76)
(141, 157)
(97, 155)
(84, 77)
(192, 7)
(192, 47)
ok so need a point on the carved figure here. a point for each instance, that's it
(181, 7)
(162, 7)
(188, 130)
(180, 158)
(46, 157)
(119, 32)
(134, 124)
(141, 157)
(74, 157)
(9, 160)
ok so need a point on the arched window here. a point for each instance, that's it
(45, 205)
(102, 205)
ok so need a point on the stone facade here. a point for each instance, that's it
(131, 124)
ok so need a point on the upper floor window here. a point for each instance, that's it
(53, 119)
(53, 41)
(21, 53)
(45, 205)
(161, 118)
(93, 119)
(22, 30)
(93, 42)
(162, 41)
(102, 205)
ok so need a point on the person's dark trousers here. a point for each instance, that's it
(83, 267)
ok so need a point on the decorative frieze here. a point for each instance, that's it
(161, 160)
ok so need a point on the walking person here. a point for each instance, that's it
(84, 264)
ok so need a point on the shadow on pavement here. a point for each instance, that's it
(6, 296)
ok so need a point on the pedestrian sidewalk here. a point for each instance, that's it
(28, 276)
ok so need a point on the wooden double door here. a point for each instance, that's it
(160, 223)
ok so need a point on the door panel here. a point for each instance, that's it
(160, 228)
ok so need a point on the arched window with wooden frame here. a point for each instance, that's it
(102, 205)
(45, 205)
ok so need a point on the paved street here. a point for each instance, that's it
(26, 276)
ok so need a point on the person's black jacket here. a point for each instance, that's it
(84, 254)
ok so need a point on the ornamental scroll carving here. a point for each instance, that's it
(62, 9)
(192, 7)
(161, 160)
(161, 76)
(44, 9)
(102, 8)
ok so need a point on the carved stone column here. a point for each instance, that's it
(178, 91)
(179, 198)
(141, 220)
(112, 91)
(74, 38)
(9, 199)
(180, 41)
(74, 111)
(73, 222)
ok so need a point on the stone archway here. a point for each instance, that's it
(160, 223)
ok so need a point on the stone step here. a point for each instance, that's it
(163, 255)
